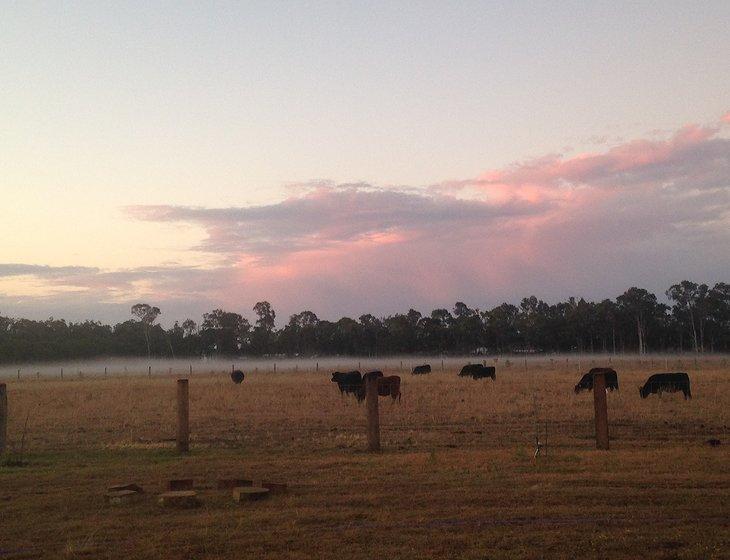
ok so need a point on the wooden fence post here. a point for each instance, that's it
(601, 410)
(183, 416)
(3, 417)
(371, 398)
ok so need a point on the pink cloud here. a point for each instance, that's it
(647, 212)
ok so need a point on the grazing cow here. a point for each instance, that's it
(420, 370)
(388, 386)
(237, 376)
(362, 391)
(586, 382)
(669, 382)
(478, 371)
(348, 383)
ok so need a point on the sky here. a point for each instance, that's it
(352, 158)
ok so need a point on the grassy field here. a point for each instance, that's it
(456, 478)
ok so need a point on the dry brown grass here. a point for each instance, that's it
(456, 478)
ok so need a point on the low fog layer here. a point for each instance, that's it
(397, 364)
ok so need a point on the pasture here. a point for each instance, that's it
(456, 477)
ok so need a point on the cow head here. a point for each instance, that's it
(643, 393)
(336, 377)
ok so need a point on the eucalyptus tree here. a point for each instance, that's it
(691, 309)
(224, 332)
(147, 315)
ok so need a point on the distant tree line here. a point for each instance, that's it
(698, 320)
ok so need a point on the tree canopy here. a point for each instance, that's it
(697, 318)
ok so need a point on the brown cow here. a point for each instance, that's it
(387, 386)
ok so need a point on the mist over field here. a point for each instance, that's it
(506, 364)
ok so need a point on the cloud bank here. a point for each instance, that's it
(644, 212)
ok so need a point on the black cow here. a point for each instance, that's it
(669, 382)
(586, 382)
(237, 376)
(348, 383)
(478, 371)
(420, 370)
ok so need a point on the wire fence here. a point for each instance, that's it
(531, 403)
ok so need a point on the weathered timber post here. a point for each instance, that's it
(62, 373)
(183, 416)
(149, 371)
(274, 367)
(601, 410)
(371, 399)
(316, 367)
(3, 417)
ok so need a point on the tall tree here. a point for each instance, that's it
(262, 338)
(690, 309)
(641, 306)
(226, 330)
(147, 315)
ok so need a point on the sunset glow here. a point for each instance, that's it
(352, 180)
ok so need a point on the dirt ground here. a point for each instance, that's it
(456, 478)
